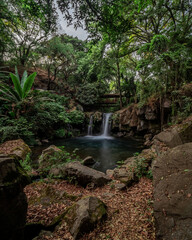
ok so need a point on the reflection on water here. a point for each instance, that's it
(106, 151)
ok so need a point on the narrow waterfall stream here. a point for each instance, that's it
(105, 124)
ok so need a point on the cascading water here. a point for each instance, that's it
(90, 126)
(105, 124)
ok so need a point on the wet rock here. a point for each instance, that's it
(13, 201)
(16, 148)
(172, 175)
(84, 175)
(83, 216)
(88, 161)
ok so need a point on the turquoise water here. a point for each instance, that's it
(105, 151)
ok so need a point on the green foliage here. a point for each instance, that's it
(61, 133)
(141, 168)
(76, 117)
(15, 129)
(26, 163)
(58, 160)
(89, 93)
(21, 87)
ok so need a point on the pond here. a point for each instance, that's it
(106, 151)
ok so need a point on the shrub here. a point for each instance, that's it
(76, 117)
(89, 93)
(17, 128)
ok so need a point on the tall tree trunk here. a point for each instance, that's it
(119, 83)
(49, 79)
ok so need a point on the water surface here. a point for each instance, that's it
(105, 151)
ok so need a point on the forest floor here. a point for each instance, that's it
(130, 212)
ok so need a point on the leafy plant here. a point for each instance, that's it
(21, 87)
(141, 168)
(58, 160)
(26, 163)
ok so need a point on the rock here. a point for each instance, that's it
(150, 113)
(38, 142)
(45, 140)
(47, 153)
(120, 134)
(125, 174)
(13, 201)
(84, 175)
(170, 138)
(142, 125)
(107, 195)
(134, 118)
(15, 148)
(55, 172)
(88, 161)
(83, 216)
(109, 173)
(172, 177)
(178, 135)
(120, 186)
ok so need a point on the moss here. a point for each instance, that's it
(100, 213)
(17, 176)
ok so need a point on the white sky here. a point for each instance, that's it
(80, 33)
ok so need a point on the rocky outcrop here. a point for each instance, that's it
(97, 120)
(16, 148)
(172, 173)
(133, 118)
(84, 175)
(176, 135)
(13, 201)
(83, 215)
(134, 167)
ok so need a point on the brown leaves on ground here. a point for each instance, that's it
(130, 212)
(8, 146)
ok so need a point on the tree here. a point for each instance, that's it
(25, 24)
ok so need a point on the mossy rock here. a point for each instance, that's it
(84, 215)
(16, 148)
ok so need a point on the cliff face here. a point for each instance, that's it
(133, 119)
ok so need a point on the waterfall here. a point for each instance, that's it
(105, 124)
(90, 126)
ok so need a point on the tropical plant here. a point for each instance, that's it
(21, 87)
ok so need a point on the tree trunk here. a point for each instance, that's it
(119, 84)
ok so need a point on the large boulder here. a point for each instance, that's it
(177, 135)
(84, 175)
(83, 215)
(15, 148)
(13, 201)
(172, 173)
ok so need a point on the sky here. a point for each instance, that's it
(80, 33)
